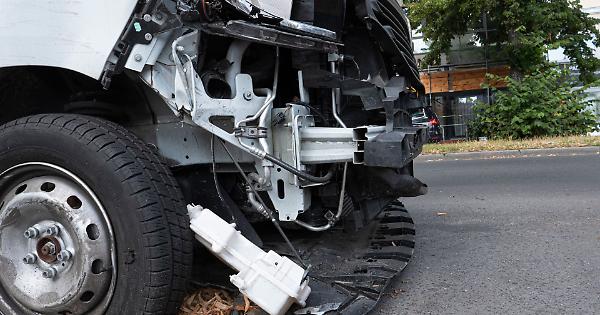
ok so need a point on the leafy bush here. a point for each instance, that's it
(523, 30)
(543, 103)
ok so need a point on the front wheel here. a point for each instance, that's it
(91, 221)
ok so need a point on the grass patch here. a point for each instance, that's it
(496, 145)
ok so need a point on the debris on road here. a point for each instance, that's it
(214, 301)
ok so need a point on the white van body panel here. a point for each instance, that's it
(73, 34)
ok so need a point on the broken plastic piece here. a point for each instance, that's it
(271, 281)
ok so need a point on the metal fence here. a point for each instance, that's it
(455, 126)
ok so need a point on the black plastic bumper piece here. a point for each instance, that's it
(395, 149)
(351, 271)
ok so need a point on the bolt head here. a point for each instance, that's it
(31, 232)
(148, 36)
(53, 230)
(147, 17)
(49, 273)
(48, 249)
(30, 259)
(138, 57)
(329, 215)
(64, 255)
(248, 95)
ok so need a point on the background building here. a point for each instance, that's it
(454, 86)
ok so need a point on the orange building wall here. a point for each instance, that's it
(461, 80)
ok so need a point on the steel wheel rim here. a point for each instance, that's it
(57, 244)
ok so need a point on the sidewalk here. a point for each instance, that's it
(595, 150)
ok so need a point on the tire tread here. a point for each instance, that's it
(147, 178)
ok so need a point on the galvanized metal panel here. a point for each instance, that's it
(280, 8)
(72, 34)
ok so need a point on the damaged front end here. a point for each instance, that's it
(302, 111)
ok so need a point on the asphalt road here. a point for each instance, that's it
(509, 235)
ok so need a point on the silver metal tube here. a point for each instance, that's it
(271, 94)
(263, 121)
(257, 205)
(269, 99)
(301, 89)
(314, 228)
(337, 216)
(334, 100)
(254, 150)
(175, 49)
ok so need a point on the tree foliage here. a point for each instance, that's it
(522, 30)
(542, 103)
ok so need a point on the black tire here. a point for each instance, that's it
(140, 195)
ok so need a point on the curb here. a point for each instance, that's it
(482, 155)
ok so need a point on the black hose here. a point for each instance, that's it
(216, 180)
(267, 209)
(295, 171)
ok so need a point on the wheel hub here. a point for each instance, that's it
(47, 248)
(57, 245)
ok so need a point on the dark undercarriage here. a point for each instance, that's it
(378, 84)
(353, 263)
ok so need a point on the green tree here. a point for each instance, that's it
(542, 103)
(523, 30)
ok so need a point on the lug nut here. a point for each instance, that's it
(53, 230)
(30, 259)
(64, 255)
(48, 249)
(31, 232)
(49, 273)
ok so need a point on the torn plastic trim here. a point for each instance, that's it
(269, 35)
(147, 21)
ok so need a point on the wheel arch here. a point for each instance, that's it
(30, 90)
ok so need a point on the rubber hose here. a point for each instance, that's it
(293, 170)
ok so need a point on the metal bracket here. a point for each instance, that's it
(155, 18)
(152, 19)
(250, 132)
(335, 145)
